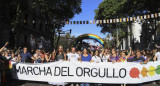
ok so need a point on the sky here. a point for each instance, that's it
(88, 7)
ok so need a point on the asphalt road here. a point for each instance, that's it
(30, 83)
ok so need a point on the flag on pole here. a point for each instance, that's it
(77, 22)
(159, 14)
(110, 20)
(152, 15)
(131, 19)
(90, 21)
(74, 22)
(97, 21)
(33, 21)
(100, 21)
(155, 15)
(117, 20)
(25, 21)
(148, 16)
(138, 17)
(134, 18)
(120, 19)
(107, 21)
(80, 22)
(70, 22)
(67, 22)
(114, 20)
(93, 21)
(127, 19)
(104, 21)
(145, 16)
(141, 17)
(84, 22)
(87, 22)
(124, 19)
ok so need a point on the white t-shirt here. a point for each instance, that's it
(96, 59)
(158, 56)
(73, 56)
(8, 57)
(105, 58)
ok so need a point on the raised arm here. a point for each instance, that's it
(155, 58)
(3, 47)
(17, 50)
(53, 54)
(156, 46)
(130, 51)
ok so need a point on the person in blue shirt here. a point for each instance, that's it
(26, 56)
(85, 57)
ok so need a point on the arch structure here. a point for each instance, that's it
(88, 36)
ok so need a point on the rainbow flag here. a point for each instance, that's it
(148, 16)
(120, 19)
(107, 21)
(155, 15)
(10, 64)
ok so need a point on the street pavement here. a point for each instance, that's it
(31, 83)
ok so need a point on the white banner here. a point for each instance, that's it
(126, 72)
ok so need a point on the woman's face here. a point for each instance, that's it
(132, 52)
(96, 53)
(123, 54)
(6, 53)
(113, 51)
(106, 50)
(85, 51)
(12, 55)
(19, 56)
(3, 54)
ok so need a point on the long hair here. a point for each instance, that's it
(94, 53)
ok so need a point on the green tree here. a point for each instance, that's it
(55, 12)
(124, 8)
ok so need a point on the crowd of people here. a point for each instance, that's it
(85, 55)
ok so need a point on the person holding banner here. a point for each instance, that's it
(123, 57)
(4, 47)
(85, 57)
(26, 56)
(96, 57)
(113, 57)
(73, 56)
(37, 56)
(157, 55)
(47, 56)
(138, 58)
(60, 55)
(2, 64)
(105, 55)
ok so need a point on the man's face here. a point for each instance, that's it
(138, 53)
(73, 50)
(37, 51)
(25, 50)
(60, 49)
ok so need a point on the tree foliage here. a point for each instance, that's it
(54, 11)
(124, 8)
